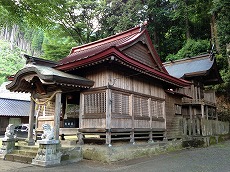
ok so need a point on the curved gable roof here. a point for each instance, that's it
(118, 46)
(47, 75)
(121, 41)
(202, 65)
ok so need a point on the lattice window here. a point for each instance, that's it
(160, 109)
(144, 107)
(95, 103)
(141, 106)
(137, 106)
(154, 108)
(120, 103)
(157, 108)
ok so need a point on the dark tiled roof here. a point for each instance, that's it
(180, 68)
(87, 50)
(10, 107)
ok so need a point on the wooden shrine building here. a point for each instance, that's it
(115, 88)
(199, 109)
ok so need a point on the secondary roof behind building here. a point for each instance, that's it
(198, 66)
(10, 107)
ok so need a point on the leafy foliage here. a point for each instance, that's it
(190, 49)
(119, 15)
(56, 49)
(10, 60)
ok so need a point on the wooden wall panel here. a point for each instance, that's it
(158, 124)
(173, 122)
(119, 79)
(93, 123)
(121, 123)
(141, 124)
(141, 53)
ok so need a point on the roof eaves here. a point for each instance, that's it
(115, 51)
(90, 59)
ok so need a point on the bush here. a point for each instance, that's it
(191, 48)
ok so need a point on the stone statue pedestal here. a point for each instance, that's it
(48, 153)
(8, 145)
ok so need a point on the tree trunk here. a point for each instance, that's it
(214, 37)
(186, 21)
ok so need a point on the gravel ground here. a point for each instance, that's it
(215, 158)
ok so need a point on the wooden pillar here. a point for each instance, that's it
(202, 120)
(194, 123)
(30, 139)
(131, 110)
(198, 125)
(81, 113)
(81, 110)
(185, 125)
(150, 122)
(202, 111)
(57, 114)
(206, 111)
(108, 116)
(199, 94)
(190, 121)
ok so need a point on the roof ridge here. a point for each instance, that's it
(186, 59)
(131, 31)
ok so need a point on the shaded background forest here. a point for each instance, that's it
(178, 29)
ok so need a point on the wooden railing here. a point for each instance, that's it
(204, 127)
(209, 98)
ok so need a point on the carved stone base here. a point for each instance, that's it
(48, 153)
(8, 145)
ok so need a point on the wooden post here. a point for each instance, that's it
(30, 139)
(150, 122)
(194, 122)
(185, 124)
(81, 110)
(206, 111)
(202, 111)
(81, 113)
(202, 119)
(190, 121)
(108, 116)
(131, 109)
(198, 125)
(57, 114)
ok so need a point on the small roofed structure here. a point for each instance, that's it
(199, 111)
(203, 67)
(46, 86)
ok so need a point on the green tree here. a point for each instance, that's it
(75, 18)
(10, 60)
(120, 15)
(56, 47)
(190, 49)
